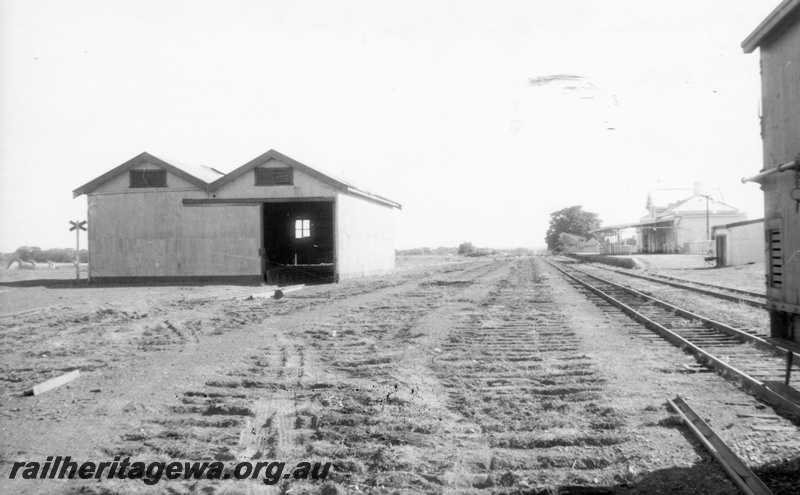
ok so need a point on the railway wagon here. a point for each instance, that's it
(778, 39)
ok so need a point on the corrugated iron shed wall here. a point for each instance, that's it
(364, 238)
(149, 233)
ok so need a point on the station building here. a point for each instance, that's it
(677, 221)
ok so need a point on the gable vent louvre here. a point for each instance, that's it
(148, 178)
(273, 176)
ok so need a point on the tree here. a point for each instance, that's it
(570, 243)
(26, 253)
(466, 248)
(571, 220)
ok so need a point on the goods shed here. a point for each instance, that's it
(778, 40)
(273, 219)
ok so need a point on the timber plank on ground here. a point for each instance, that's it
(55, 382)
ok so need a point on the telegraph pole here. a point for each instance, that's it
(708, 229)
(77, 226)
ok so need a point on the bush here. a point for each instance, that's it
(439, 251)
(466, 248)
(57, 255)
(415, 251)
(482, 252)
(570, 242)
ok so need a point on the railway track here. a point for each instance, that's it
(750, 298)
(742, 356)
(490, 376)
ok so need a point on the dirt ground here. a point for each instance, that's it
(454, 375)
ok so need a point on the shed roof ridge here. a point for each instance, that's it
(184, 171)
(325, 177)
(138, 160)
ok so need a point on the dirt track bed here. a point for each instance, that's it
(479, 376)
(735, 314)
(693, 267)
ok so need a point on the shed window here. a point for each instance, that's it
(302, 228)
(274, 176)
(775, 268)
(148, 178)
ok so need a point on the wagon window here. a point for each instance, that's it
(775, 268)
(148, 178)
(274, 176)
(302, 228)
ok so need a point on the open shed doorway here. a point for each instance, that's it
(298, 244)
(721, 251)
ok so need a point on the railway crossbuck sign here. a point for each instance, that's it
(77, 225)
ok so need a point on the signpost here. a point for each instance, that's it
(77, 227)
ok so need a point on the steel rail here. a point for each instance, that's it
(719, 295)
(760, 388)
(722, 287)
(745, 479)
(733, 332)
(776, 347)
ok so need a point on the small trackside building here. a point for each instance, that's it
(273, 219)
(739, 243)
(778, 40)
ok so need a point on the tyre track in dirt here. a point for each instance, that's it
(194, 339)
(239, 382)
(292, 389)
(415, 389)
(51, 344)
(378, 409)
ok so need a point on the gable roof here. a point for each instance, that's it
(668, 199)
(698, 203)
(662, 198)
(783, 14)
(198, 175)
(338, 184)
(210, 179)
(203, 172)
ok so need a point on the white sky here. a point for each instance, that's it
(425, 102)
